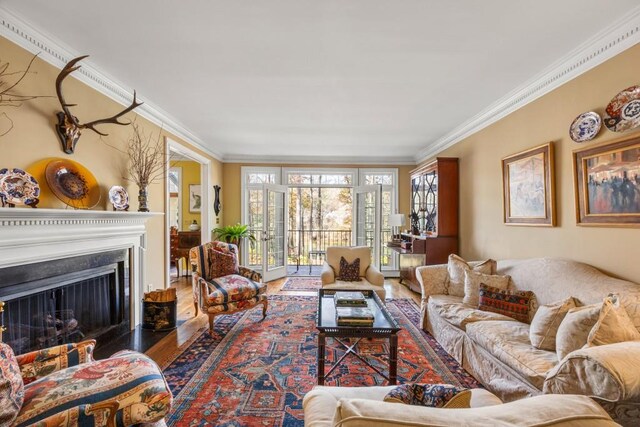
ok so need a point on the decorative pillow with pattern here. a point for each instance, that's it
(575, 327)
(222, 263)
(472, 281)
(613, 325)
(11, 386)
(456, 268)
(432, 395)
(515, 304)
(349, 272)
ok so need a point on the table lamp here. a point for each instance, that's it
(395, 221)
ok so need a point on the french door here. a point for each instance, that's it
(274, 242)
(367, 214)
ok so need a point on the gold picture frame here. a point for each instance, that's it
(607, 183)
(528, 187)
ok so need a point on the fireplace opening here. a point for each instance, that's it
(66, 300)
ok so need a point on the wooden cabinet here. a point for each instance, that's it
(434, 216)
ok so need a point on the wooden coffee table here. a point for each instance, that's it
(384, 326)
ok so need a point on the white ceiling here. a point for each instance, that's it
(296, 79)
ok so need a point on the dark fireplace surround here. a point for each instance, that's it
(66, 300)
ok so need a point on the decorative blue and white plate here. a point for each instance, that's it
(18, 187)
(585, 127)
(119, 198)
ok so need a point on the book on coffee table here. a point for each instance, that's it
(349, 299)
(354, 313)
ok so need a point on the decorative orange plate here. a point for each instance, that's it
(72, 183)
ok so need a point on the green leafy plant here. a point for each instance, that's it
(234, 233)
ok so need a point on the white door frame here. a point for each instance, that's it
(205, 213)
(377, 190)
(278, 272)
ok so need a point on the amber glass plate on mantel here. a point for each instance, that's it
(72, 183)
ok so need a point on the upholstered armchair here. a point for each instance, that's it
(64, 386)
(221, 285)
(370, 276)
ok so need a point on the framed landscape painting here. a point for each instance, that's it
(607, 183)
(195, 198)
(528, 185)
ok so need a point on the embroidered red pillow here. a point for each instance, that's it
(349, 272)
(222, 263)
(11, 386)
(514, 304)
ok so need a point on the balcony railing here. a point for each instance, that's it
(306, 247)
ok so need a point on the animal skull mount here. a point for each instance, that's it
(69, 127)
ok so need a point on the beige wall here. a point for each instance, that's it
(190, 176)
(483, 233)
(231, 203)
(33, 141)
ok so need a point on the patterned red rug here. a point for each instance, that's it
(255, 373)
(302, 284)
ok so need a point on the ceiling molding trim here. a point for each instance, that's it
(58, 54)
(606, 44)
(321, 160)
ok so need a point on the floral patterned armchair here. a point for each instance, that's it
(224, 289)
(64, 386)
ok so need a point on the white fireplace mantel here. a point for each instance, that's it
(29, 236)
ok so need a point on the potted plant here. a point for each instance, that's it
(234, 234)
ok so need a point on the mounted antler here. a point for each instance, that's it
(68, 127)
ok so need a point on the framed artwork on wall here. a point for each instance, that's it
(195, 198)
(528, 184)
(607, 183)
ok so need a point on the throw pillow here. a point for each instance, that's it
(472, 281)
(574, 329)
(349, 272)
(432, 395)
(456, 268)
(515, 304)
(546, 321)
(11, 386)
(222, 264)
(613, 325)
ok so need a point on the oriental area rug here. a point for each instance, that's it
(302, 284)
(255, 373)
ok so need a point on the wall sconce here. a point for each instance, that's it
(216, 202)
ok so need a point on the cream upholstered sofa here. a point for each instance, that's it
(370, 276)
(364, 407)
(498, 351)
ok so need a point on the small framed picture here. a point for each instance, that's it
(195, 198)
(528, 184)
(607, 183)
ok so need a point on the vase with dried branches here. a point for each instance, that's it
(147, 162)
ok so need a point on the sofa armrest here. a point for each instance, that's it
(250, 274)
(327, 275)
(374, 276)
(40, 363)
(608, 372)
(433, 281)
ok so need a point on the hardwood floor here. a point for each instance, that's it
(166, 348)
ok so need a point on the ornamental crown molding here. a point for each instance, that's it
(606, 44)
(56, 53)
(322, 160)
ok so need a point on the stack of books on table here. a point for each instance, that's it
(354, 316)
(349, 299)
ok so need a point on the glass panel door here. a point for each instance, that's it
(274, 242)
(368, 219)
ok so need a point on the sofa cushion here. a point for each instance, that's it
(11, 386)
(545, 323)
(472, 281)
(349, 271)
(613, 324)
(575, 327)
(432, 395)
(508, 341)
(460, 315)
(514, 304)
(456, 268)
